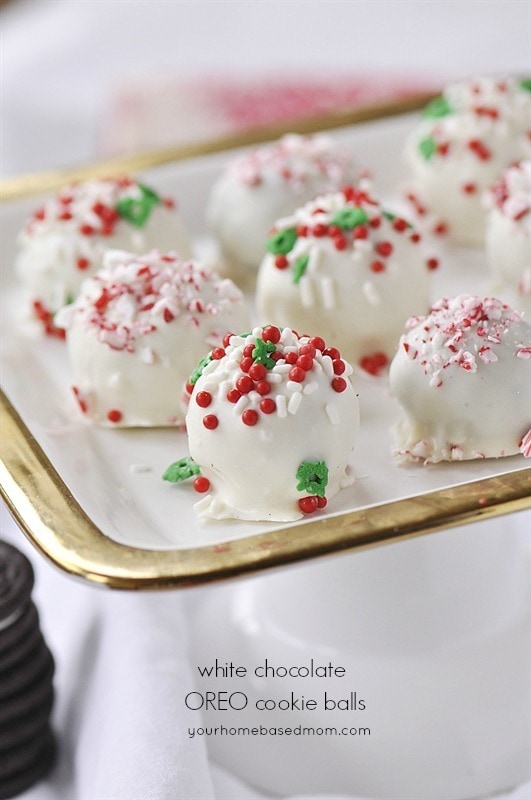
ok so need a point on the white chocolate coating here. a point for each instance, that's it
(138, 328)
(359, 286)
(463, 377)
(65, 240)
(508, 237)
(460, 148)
(252, 464)
(259, 187)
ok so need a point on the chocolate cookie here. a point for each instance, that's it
(20, 650)
(22, 777)
(16, 582)
(28, 725)
(36, 664)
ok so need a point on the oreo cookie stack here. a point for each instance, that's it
(27, 744)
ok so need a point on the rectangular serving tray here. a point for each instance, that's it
(92, 500)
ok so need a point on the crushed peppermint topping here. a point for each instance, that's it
(297, 161)
(462, 331)
(95, 207)
(134, 296)
(511, 195)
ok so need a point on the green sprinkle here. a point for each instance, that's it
(525, 83)
(198, 371)
(138, 210)
(349, 218)
(427, 147)
(299, 268)
(438, 107)
(312, 477)
(282, 242)
(390, 216)
(262, 351)
(181, 470)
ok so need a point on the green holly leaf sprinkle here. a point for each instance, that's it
(525, 83)
(349, 218)
(438, 107)
(137, 210)
(427, 147)
(262, 351)
(282, 242)
(181, 470)
(198, 371)
(299, 268)
(312, 477)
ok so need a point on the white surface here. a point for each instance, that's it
(60, 62)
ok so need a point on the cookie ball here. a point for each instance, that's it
(508, 237)
(65, 239)
(137, 330)
(269, 182)
(467, 137)
(462, 375)
(271, 423)
(346, 268)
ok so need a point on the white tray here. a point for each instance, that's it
(93, 500)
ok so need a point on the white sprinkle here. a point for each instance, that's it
(328, 293)
(328, 367)
(371, 293)
(138, 468)
(306, 292)
(294, 386)
(280, 400)
(294, 403)
(332, 414)
(147, 355)
(115, 380)
(311, 387)
(274, 377)
(242, 404)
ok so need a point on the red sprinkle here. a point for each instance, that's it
(441, 229)
(203, 399)
(226, 339)
(267, 405)
(168, 315)
(321, 502)
(374, 363)
(339, 366)
(81, 403)
(244, 384)
(257, 372)
(217, 353)
(308, 504)
(263, 387)
(281, 262)
(201, 484)
(271, 334)
(319, 230)
(210, 421)
(333, 352)
(233, 395)
(384, 249)
(378, 266)
(250, 417)
(114, 415)
(246, 364)
(290, 358)
(340, 243)
(360, 232)
(305, 362)
(339, 384)
(318, 343)
(297, 374)
(432, 263)
(86, 230)
(400, 225)
(307, 350)
(480, 149)
(82, 263)
(469, 188)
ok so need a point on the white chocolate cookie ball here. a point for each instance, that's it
(508, 238)
(347, 269)
(138, 328)
(465, 140)
(271, 424)
(463, 377)
(65, 239)
(267, 183)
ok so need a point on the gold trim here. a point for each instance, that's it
(38, 183)
(52, 519)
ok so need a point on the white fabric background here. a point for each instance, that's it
(122, 663)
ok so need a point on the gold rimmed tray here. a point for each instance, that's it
(88, 526)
